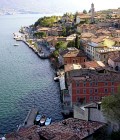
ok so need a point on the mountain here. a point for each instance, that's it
(42, 6)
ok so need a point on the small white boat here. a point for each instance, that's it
(48, 121)
(16, 44)
(42, 120)
(56, 78)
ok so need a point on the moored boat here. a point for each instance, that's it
(42, 120)
(38, 117)
(16, 44)
(56, 79)
(48, 121)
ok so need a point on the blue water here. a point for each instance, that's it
(25, 79)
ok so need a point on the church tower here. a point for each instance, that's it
(92, 13)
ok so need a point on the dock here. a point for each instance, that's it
(29, 120)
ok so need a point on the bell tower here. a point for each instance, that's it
(92, 13)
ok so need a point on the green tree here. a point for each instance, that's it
(46, 21)
(64, 31)
(39, 34)
(108, 16)
(111, 107)
(71, 44)
(84, 11)
(60, 45)
(77, 42)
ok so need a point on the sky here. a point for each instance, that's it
(79, 5)
(60, 6)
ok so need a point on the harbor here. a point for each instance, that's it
(39, 52)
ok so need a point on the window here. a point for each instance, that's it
(77, 84)
(84, 90)
(76, 61)
(91, 98)
(105, 83)
(112, 83)
(73, 61)
(91, 90)
(77, 91)
(84, 60)
(112, 90)
(78, 99)
(84, 84)
(96, 98)
(90, 83)
(96, 83)
(96, 90)
(106, 90)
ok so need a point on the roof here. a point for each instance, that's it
(87, 35)
(91, 76)
(24, 134)
(67, 50)
(94, 64)
(43, 29)
(115, 58)
(70, 67)
(70, 129)
(98, 40)
(74, 53)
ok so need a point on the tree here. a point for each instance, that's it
(39, 34)
(64, 31)
(77, 42)
(111, 107)
(89, 11)
(108, 16)
(60, 45)
(71, 44)
(84, 11)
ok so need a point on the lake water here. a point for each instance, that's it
(25, 79)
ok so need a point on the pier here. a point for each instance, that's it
(29, 120)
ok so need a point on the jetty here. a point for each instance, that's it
(29, 120)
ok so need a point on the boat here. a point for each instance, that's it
(56, 79)
(38, 117)
(41, 54)
(48, 121)
(42, 120)
(16, 44)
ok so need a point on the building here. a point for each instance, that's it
(93, 112)
(92, 13)
(114, 62)
(82, 18)
(88, 85)
(68, 129)
(89, 112)
(71, 56)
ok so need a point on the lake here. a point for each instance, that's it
(25, 79)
